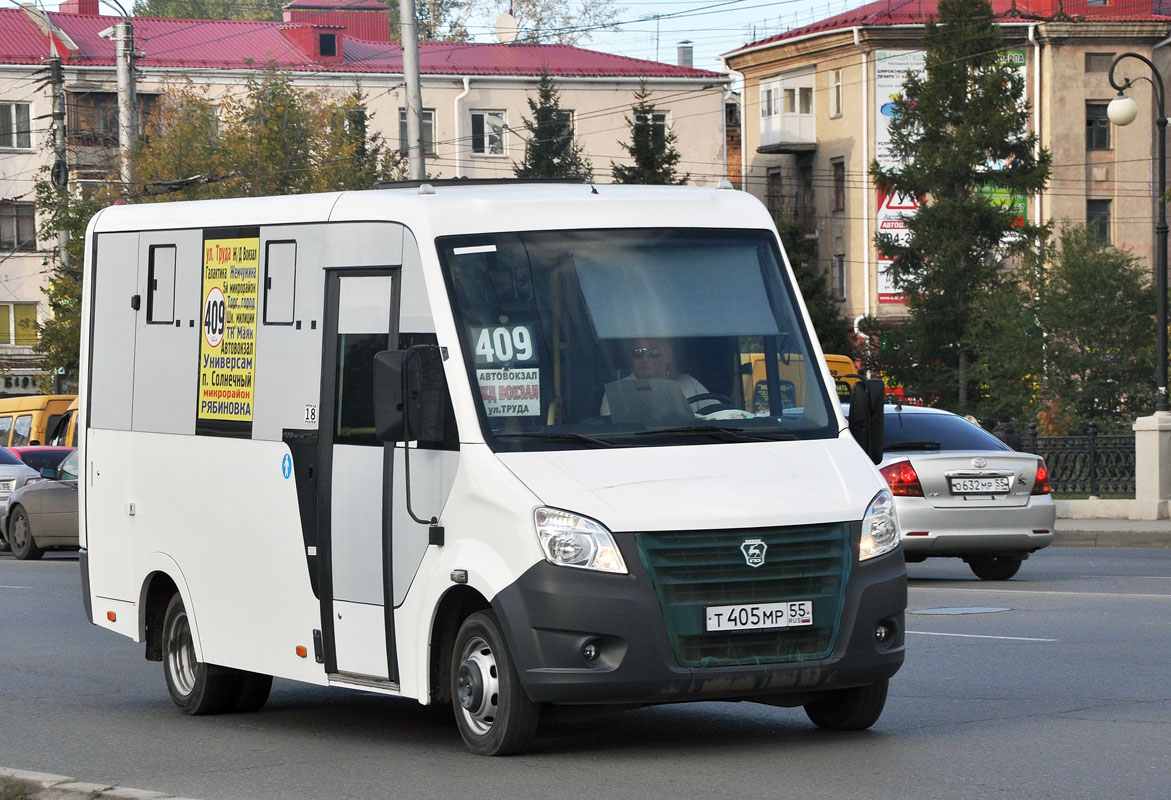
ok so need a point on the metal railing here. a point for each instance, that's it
(1094, 464)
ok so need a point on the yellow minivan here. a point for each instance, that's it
(30, 419)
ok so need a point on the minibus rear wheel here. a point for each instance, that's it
(494, 715)
(849, 709)
(195, 687)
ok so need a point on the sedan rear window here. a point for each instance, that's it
(8, 458)
(936, 432)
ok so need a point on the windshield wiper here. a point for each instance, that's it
(912, 446)
(732, 432)
(560, 437)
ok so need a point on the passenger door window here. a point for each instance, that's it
(21, 430)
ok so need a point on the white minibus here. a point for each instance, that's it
(506, 446)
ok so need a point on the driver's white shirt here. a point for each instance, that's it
(687, 384)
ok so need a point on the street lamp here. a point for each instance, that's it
(1122, 111)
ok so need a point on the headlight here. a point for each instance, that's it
(570, 540)
(880, 527)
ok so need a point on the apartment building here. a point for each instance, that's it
(474, 97)
(816, 115)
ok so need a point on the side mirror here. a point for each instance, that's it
(49, 473)
(866, 417)
(398, 394)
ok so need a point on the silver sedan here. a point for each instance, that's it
(961, 492)
(14, 474)
(43, 515)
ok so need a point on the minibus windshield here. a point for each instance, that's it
(637, 337)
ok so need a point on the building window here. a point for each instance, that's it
(658, 121)
(838, 276)
(1099, 62)
(768, 101)
(805, 100)
(1097, 2)
(1098, 219)
(18, 324)
(15, 130)
(94, 115)
(18, 230)
(1097, 127)
(328, 44)
(773, 199)
(835, 93)
(839, 170)
(428, 132)
(488, 133)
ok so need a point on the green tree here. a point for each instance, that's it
(210, 9)
(1096, 308)
(833, 329)
(651, 147)
(558, 21)
(275, 139)
(957, 133)
(551, 150)
(59, 337)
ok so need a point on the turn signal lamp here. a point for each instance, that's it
(1041, 482)
(902, 479)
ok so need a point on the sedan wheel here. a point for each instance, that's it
(994, 568)
(20, 536)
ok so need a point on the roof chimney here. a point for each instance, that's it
(684, 57)
(86, 7)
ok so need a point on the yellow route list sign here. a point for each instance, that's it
(227, 347)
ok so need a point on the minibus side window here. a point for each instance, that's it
(355, 388)
(5, 429)
(21, 430)
(160, 294)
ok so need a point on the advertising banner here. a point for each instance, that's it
(227, 346)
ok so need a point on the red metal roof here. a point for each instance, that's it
(235, 44)
(917, 12)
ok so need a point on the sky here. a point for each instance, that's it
(652, 29)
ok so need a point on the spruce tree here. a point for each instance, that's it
(958, 131)
(651, 148)
(551, 150)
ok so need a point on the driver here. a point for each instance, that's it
(655, 358)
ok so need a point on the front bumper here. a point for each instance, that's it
(930, 531)
(552, 612)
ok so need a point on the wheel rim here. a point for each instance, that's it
(477, 686)
(181, 663)
(19, 533)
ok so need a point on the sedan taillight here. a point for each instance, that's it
(1041, 482)
(902, 479)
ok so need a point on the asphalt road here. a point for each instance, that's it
(1062, 693)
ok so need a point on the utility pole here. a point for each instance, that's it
(409, 26)
(60, 172)
(127, 111)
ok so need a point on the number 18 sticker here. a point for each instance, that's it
(214, 317)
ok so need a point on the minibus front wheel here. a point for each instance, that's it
(494, 715)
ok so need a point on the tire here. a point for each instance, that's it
(494, 715)
(20, 534)
(196, 688)
(994, 568)
(251, 692)
(849, 709)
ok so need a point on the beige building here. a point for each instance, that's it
(475, 99)
(814, 121)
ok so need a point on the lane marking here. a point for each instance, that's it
(1038, 591)
(978, 636)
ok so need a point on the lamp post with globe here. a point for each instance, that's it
(1122, 111)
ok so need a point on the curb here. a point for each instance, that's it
(43, 786)
(1105, 538)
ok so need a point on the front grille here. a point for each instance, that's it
(692, 570)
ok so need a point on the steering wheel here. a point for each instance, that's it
(723, 402)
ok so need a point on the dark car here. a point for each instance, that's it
(39, 456)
